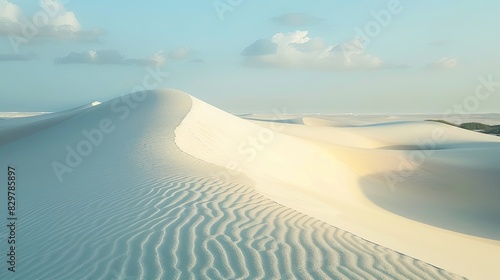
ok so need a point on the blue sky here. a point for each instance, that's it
(252, 56)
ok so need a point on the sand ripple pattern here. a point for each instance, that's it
(195, 228)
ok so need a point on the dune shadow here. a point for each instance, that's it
(289, 121)
(453, 204)
(447, 146)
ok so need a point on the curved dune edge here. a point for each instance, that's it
(323, 180)
(140, 208)
(12, 129)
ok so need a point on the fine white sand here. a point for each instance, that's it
(178, 189)
(425, 189)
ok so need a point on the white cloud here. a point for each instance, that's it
(260, 47)
(185, 53)
(110, 57)
(298, 50)
(159, 58)
(52, 20)
(314, 44)
(63, 20)
(9, 13)
(443, 64)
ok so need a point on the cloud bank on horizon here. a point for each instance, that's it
(113, 57)
(444, 63)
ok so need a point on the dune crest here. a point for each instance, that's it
(342, 175)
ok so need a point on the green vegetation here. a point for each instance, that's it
(475, 126)
(442, 121)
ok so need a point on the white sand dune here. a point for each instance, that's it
(424, 189)
(150, 199)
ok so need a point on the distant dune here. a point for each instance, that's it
(161, 185)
